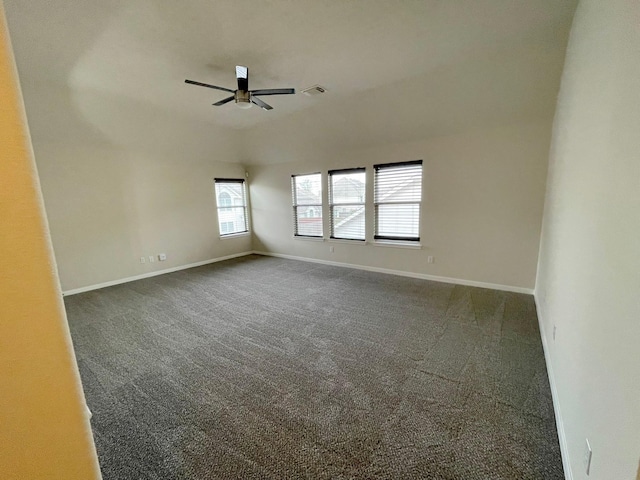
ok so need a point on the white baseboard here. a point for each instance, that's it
(564, 450)
(423, 276)
(88, 288)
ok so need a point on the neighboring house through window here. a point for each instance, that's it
(224, 199)
(347, 203)
(397, 199)
(307, 205)
(227, 227)
(231, 198)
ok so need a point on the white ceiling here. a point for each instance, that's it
(394, 70)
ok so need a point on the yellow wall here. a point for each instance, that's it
(44, 433)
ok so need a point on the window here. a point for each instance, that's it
(307, 205)
(226, 228)
(232, 206)
(346, 203)
(224, 200)
(397, 196)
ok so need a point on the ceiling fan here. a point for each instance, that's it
(243, 96)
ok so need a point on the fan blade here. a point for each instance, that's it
(242, 73)
(226, 100)
(274, 91)
(261, 104)
(208, 86)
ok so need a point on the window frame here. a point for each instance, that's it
(297, 205)
(232, 206)
(376, 202)
(333, 204)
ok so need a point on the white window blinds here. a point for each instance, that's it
(231, 198)
(397, 198)
(307, 204)
(347, 203)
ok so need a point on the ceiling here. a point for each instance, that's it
(394, 71)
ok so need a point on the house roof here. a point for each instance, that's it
(306, 197)
(347, 187)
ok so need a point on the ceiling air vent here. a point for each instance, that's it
(315, 90)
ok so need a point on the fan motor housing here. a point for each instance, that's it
(243, 98)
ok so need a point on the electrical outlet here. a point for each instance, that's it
(162, 257)
(554, 333)
(152, 259)
(429, 259)
(143, 260)
(587, 456)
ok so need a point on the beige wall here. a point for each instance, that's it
(127, 152)
(122, 180)
(589, 270)
(104, 219)
(481, 211)
(44, 433)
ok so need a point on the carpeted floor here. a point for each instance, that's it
(263, 368)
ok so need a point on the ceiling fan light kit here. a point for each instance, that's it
(244, 97)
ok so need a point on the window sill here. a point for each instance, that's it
(398, 244)
(348, 241)
(308, 239)
(235, 235)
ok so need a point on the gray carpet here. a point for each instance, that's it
(263, 368)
